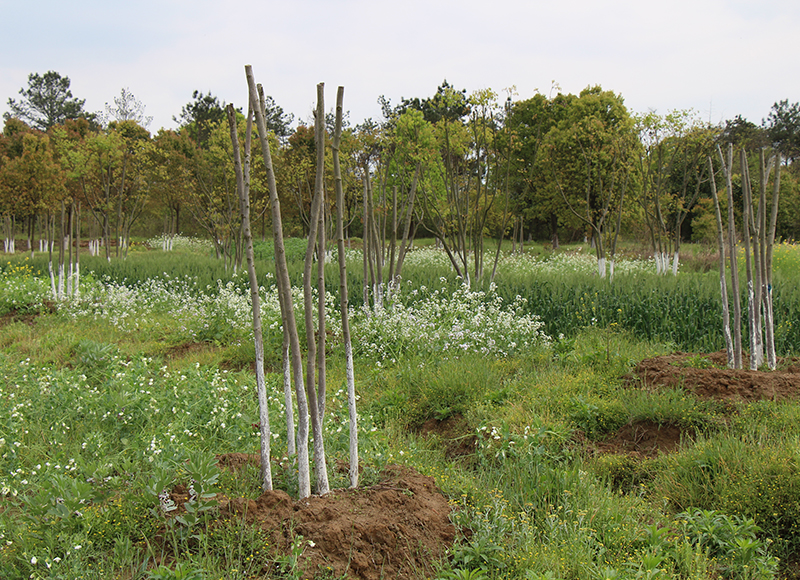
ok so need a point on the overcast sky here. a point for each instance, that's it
(721, 58)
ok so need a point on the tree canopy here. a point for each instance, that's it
(47, 102)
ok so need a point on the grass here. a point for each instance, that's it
(106, 402)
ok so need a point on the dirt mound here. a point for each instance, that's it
(642, 439)
(706, 376)
(395, 529)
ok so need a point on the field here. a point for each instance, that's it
(540, 428)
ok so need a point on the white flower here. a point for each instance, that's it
(34, 560)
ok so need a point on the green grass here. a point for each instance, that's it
(96, 417)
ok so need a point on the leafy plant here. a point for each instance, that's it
(595, 417)
(731, 540)
(181, 571)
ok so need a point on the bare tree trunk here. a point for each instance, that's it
(723, 285)
(49, 234)
(343, 299)
(76, 284)
(376, 246)
(284, 290)
(71, 225)
(393, 237)
(61, 239)
(761, 246)
(320, 468)
(243, 188)
(748, 261)
(286, 360)
(772, 360)
(727, 167)
(405, 244)
(321, 306)
(365, 241)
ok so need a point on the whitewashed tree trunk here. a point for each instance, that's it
(343, 298)
(291, 446)
(320, 467)
(748, 264)
(243, 190)
(284, 290)
(752, 268)
(726, 317)
(727, 167)
(77, 263)
(772, 360)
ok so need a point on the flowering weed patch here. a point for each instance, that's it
(444, 324)
(21, 290)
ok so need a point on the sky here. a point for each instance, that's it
(721, 58)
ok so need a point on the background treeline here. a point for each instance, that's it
(456, 166)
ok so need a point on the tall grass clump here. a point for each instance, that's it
(741, 479)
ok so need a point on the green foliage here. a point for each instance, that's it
(181, 571)
(730, 540)
(596, 417)
(440, 391)
(734, 476)
(21, 290)
(622, 472)
(295, 250)
(95, 423)
(47, 101)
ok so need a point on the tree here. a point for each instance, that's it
(343, 296)
(126, 108)
(589, 154)
(213, 201)
(284, 290)
(170, 178)
(783, 128)
(47, 102)
(449, 178)
(204, 112)
(277, 120)
(534, 196)
(740, 132)
(672, 174)
(200, 116)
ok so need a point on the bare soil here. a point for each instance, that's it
(395, 529)
(706, 376)
(28, 318)
(642, 439)
(454, 433)
(717, 382)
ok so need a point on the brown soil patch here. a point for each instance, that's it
(395, 529)
(455, 433)
(237, 461)
(12, 317)
(28, 318)
(187, 348)
(675, 371)
(642, 439)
